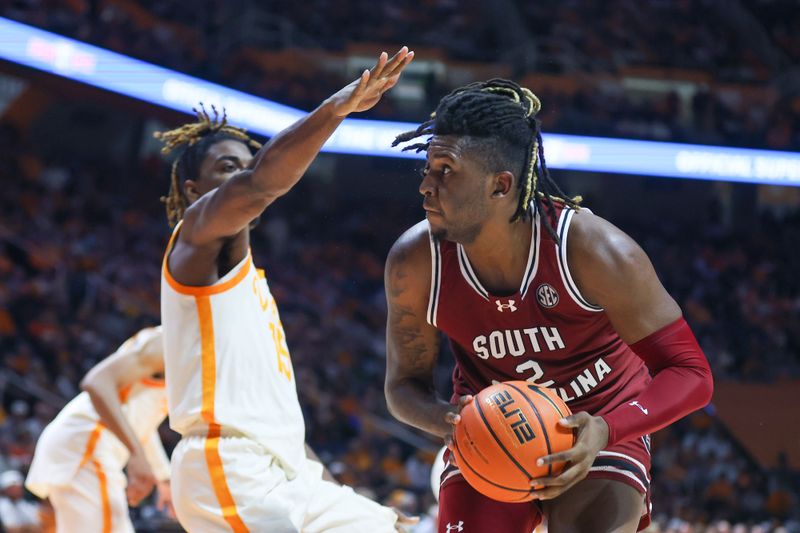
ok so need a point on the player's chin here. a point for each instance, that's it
(438, 229)
(440, 234)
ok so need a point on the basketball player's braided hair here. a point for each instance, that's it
(195, 139)
(502, 111)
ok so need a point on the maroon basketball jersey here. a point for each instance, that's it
(546, 333)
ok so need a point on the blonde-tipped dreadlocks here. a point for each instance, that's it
(195, 138)
(502, 115)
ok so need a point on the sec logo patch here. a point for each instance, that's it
(546, 295)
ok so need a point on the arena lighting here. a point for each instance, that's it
(49, 52)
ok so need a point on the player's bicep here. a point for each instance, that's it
(614, 272)
(412, 344)
(225, 211)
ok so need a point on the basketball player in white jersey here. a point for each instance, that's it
(79, 459)
(242, 464)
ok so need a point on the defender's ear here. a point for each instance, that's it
(191, 191)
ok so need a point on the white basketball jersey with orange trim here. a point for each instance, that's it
(228, 369)
(76, 435)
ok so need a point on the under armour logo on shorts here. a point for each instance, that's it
(457, 527)
(501, 307)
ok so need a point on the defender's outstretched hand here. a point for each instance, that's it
(366, 91)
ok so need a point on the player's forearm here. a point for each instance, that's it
(673, 394)
(281, 163)
(105, 399)
(682, 384)
(275, 169)
(415, 403)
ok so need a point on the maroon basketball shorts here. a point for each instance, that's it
(462, 509)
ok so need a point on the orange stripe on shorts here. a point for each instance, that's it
(106, 503)
(91, 444)
(218, 481)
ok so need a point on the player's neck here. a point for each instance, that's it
(499, 255)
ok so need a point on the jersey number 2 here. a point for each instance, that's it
(538, 373)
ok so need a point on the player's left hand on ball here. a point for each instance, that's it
(592, 436)
(404, 520)
(453, 417)
(366, 91)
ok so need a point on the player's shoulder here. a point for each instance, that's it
(596, 243)
(409, 258)
(192, 215)
(412, 247)
(148, 341)
(154, 336)
(149, 334)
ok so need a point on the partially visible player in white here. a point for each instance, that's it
(80, 457)
(243, 464)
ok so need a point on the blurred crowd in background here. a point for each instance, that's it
(733, 81)
(80, 251)
(79, 273)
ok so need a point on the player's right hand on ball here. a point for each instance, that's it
(140, 479)
(453, 417)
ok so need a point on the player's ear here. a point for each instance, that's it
(503, 184)
(191, 191)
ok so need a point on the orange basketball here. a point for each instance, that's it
(503, 432)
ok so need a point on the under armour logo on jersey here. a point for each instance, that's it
(546, 295)
(637, 404)
(510, 306)
(457, 527)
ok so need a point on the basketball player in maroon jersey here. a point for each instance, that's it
(529, 286)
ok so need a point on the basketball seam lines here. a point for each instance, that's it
(546, 397)
(541, 425)
(489, 427)
(466, 463)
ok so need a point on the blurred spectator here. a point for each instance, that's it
(17, 515)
